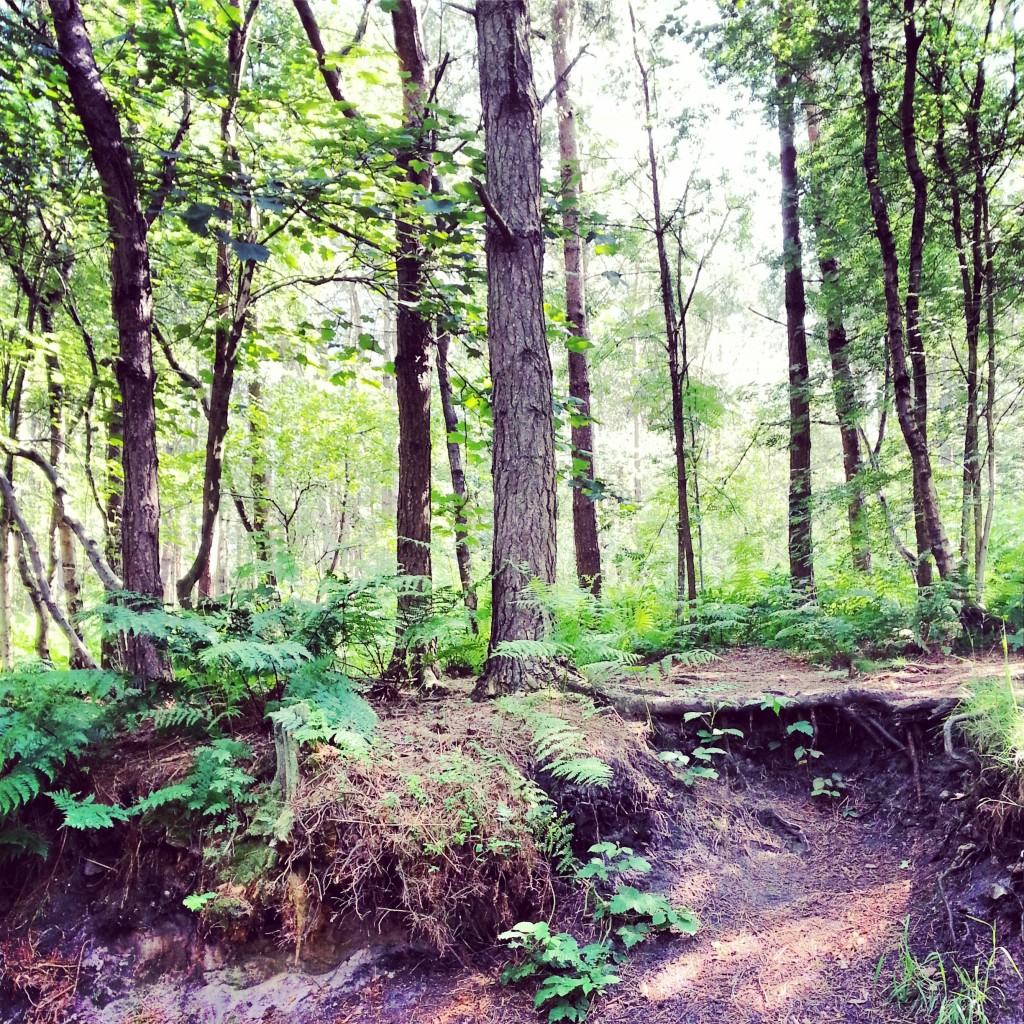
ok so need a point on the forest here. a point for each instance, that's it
(511, 511)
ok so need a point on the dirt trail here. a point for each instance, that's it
(748, 675)
(798, 901)
(797, 905)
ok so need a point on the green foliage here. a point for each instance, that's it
(941, 989)
(559, 746)
(993, 722)
(573, 976)
(84, 813)
(697, 765)
(47, 719)
(830, 786)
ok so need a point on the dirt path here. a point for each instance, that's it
(798, 901)
(797, 905)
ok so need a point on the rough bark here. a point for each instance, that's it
(414, 340)
(459, 486)
(844, 390)
(686, 574)
(132, 301)
(584, 509)
(911, 401)
(523, 460)
(801, 547)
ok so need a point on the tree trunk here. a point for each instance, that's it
(981, 554)
(686, 573)
(132, 297)
(231, 321)
(414, 340)
(461, 491)
(112, 647)
(523, 461)
(801, 547)
(259, 482)
(844, 390)
(65, 547)
(584, 508)
(13, 397)
(34, 574)
(911, 401)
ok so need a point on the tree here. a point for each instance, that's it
(414, 338)
(686, 572)
(132, 303)
(844, 389)
(910, 395)
(584, 508)
(523, 460)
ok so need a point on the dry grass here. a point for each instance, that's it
(48, 981)
(445, 829)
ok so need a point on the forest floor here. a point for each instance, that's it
(802, 906)
(802, 900)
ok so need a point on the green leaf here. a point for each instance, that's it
(246, 251)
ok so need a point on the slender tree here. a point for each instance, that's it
(910, 394)
(686, 571)
(232, 314)
(132, 301)
(584, 509)
(844, 389)
(414, 340)
(801, 546)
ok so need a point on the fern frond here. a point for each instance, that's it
(84, 812)
(21, 784)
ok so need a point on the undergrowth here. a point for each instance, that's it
(940, 989)
(571, 976)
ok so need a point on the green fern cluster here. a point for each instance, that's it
(560, 747)
(47, 718)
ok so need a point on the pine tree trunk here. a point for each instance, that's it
(451, 424)
(414, 340)
(584, 508)
(910, 397)
(801, 547)
(523, 462)
(132, 297)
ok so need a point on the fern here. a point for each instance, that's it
(529, 649)
(84, 813)
(47, 718)
(180, 717)
(559, 746)
(178, 793)
(21, 784)
(19, 840)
